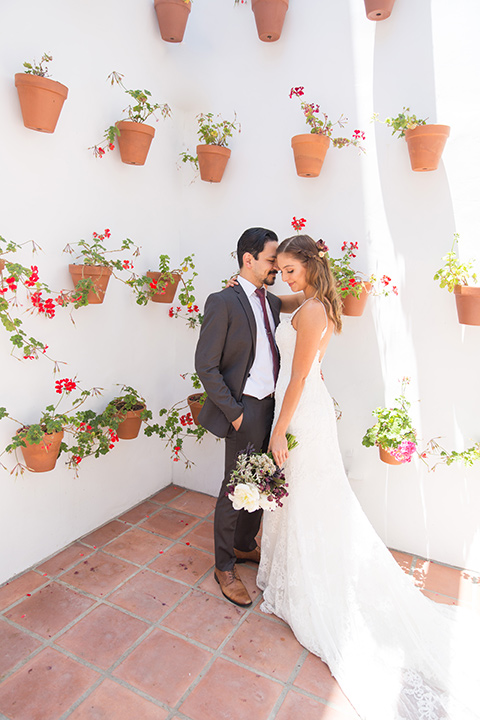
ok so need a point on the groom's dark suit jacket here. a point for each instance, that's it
(225, 353)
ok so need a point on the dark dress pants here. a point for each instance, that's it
(238, 528)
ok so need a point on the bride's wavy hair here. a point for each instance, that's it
(319, 273)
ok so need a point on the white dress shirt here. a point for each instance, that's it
(261, 381)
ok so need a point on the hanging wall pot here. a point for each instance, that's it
(41, 101)
(379, 9)
(129, 427)
(195, 403)
(309, 150)
(98, 274)
(172, 16)
(269, 17)
(354, 306)
(170, 287)
(212, 161)
(42, 457)
(134, 141)
(468, 304)
(425, 146)
(387, 457)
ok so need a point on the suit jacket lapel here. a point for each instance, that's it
(245, 303)
(273, 308)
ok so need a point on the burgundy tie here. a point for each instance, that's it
(260, 292)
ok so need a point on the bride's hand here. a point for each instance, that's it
(279, 448)
(232, 282)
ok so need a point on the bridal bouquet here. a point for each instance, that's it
(256, 482)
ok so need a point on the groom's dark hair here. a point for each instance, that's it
(253, 241)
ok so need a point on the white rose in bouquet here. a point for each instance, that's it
(245, 497)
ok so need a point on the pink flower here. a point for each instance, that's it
(298, 91)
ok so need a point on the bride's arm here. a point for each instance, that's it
(291, 302)
(310, 324)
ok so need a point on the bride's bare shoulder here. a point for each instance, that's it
(310, 314)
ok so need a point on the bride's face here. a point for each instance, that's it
(294, 272)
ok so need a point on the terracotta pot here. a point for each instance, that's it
(353, 306)
(212, 161)
(468, 304)
(195, 406)
(134, 141)
(42, 457)
(379, 9)
(41, 101)
(99, 275)
(386, 457)
(269, 17)
(170, 288)
(172, 16)
(129, 428)
(309, 151)
(425, 146)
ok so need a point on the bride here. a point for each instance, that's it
(396, 654)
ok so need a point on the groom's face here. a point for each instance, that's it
(264, 266)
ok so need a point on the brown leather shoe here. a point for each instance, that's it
(252, 555)
(232, 587)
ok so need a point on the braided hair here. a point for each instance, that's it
(319, 273)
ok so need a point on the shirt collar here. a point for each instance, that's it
(246, 285)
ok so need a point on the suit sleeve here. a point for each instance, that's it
(208, 355)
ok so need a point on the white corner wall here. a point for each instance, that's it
(55, 192)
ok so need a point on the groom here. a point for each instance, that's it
(237, 362)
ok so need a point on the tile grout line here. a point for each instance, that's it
(288, 685)
(49, 642)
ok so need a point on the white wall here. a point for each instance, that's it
(55, 192)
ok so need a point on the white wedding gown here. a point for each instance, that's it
(396, 654)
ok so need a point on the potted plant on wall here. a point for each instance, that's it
(127, 412)
(353, 288)
(195, 400)
(172, 16)
(458, 277)
(134, 135)
(425, 142)
(394, 433)
(41, 443)
(309, 150)
(379, 9)
(91, 277)
(161, 285)
(213, 154)
(41, 99)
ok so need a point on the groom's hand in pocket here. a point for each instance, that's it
(238, 422)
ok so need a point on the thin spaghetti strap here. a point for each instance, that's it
(324, 310)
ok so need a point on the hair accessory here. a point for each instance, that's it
(322, 248)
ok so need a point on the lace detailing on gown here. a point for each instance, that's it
(324, 570)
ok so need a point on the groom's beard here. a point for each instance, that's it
(271, 277)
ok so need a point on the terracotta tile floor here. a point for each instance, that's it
(128, 623)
